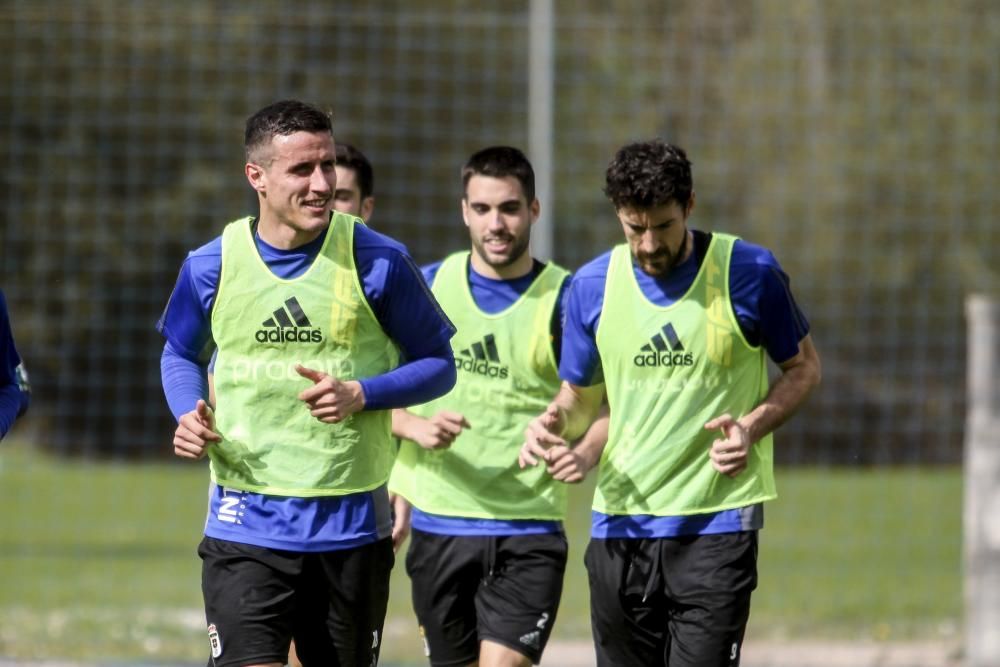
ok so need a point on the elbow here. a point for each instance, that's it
(438, 383)
(450, 377)
(815, 374)
(23, 389)
(817, 371)
(445, 371)
(810, 364)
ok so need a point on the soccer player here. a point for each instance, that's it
(488, 552)
(675, 323)
(15, 394)
(311, 313)
(355, 196)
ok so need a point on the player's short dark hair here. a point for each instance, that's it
(350, 157)
(280, 119)
(646, 174)
(501, 162)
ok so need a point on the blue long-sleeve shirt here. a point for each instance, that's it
(408, 313)
(13, 400)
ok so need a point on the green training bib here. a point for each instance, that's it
(265, 325)
(507, 375)
(668, 371)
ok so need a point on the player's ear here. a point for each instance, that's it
(367, 207)
(465, 211)
(536, 208)
(256, 176)
(690, 206)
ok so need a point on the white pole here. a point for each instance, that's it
(982, 484)
(540, 100)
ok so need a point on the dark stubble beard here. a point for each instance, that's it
(672, 259)
(518, 248)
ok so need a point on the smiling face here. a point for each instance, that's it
(499, 218)
(657, 236)
(295, 178)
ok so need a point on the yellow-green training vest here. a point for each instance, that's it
(507, 374)
(265, 325)
(668, 370)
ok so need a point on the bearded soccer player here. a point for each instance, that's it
(675, 325)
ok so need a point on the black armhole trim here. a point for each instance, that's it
(555, 324)
(701, 242)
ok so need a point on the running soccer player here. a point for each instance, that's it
(488, 552)
(354, 195)
(311, 313)
(15, 393)
(676, 323)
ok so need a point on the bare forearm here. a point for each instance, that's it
(591, 445)
(579, 408)
(799, 376)
(435, 432)
(403, 424)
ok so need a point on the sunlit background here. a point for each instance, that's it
(857, 140)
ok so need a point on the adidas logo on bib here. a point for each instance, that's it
(482, 358)
(289, 324)
(664, 349)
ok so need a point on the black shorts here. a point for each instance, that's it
(676, 602)
(332, 603)
(504, 589)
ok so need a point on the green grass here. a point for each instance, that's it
(97, 561)
(862, 553)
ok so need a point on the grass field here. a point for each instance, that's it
(97, 561)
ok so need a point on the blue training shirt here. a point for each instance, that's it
(493, 296)
(13, 401)
(768, 316)
(408, 313)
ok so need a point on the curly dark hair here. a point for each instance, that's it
(280, 119)
(646, 174)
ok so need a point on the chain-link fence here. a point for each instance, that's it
(858, 141)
